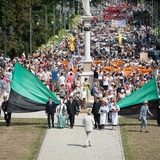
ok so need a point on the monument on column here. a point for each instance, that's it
(87, 29)
(87, 18)
(86, 7)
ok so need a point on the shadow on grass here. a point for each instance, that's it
(153, 125)
(129, 124)
(26, 124)
(2, 124)
(38, 125)
(133, 124)
(133, 130)
(41, 126)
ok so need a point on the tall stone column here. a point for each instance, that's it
(87, 56)
(87, 73)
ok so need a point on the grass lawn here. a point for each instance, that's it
(23, 139)
(139, 145)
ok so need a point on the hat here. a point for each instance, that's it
(89, 112)
(145, 102)
(104, 100)
(122, 90)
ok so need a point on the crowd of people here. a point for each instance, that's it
(118, 69)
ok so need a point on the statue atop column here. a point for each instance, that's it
(86, 7)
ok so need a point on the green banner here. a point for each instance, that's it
(147, 93)
(28, 85)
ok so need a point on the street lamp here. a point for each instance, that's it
(60, 23)
(65, 17)
(52, 21)
(153, 12)
(4, 35)
(69, 15)
(31, 30)
(73, 7)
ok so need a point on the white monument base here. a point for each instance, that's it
(87, 66)
(88, 75)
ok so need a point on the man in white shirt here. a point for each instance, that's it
(62, 79)
(88, 122)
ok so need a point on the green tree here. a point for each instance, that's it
(16, 13)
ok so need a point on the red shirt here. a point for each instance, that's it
(71, 79)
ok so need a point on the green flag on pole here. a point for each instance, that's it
(28, 93)
(148, 92)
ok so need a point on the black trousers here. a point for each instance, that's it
(71, 119)
(7, 118)
(97, 120)
(50, 117)
(101, 126)
(158, 122)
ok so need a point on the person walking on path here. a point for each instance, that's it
(50, 110)
(61, 112)
(7, 116)
(88, 122)
(143, 116)
(72, 110)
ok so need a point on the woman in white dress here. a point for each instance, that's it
(121, 95)
(103, 113)
(114, 108)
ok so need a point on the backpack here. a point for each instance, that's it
(92, 91)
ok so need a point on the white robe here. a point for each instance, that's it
(114, 113)
(103, 113)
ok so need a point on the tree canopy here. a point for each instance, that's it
(16, 13)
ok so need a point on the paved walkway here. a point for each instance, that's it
(66, 144)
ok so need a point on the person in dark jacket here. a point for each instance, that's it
(158, 114)
(50, 110)
(7, 116)
(95, 74)
(72, 110)
(95, 112)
